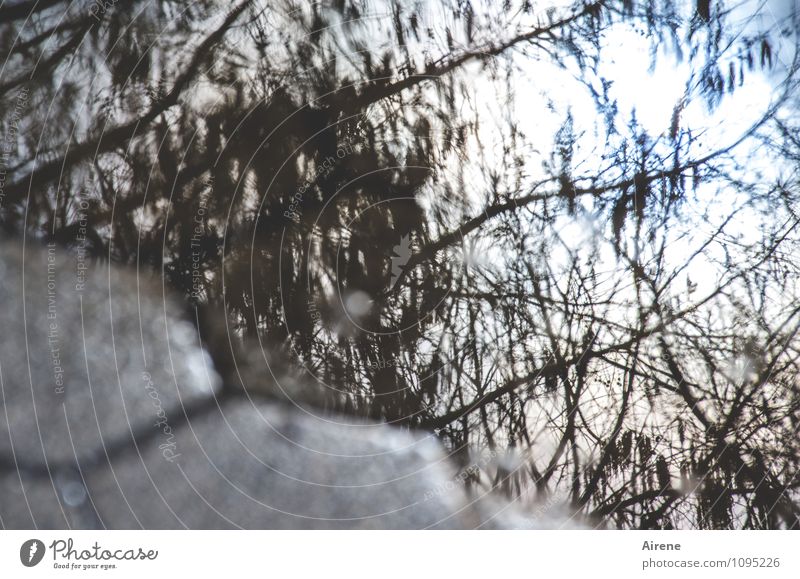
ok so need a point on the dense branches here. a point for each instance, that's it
(445, 216)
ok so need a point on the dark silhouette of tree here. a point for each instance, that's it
(326, 176)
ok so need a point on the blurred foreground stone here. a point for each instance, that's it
(114, 417)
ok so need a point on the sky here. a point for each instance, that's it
(651, 89)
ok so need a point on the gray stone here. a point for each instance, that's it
(82, 368)
(113, 417)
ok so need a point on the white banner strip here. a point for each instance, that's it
(390, 554)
